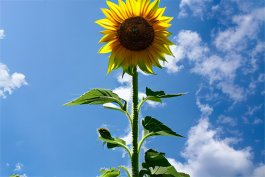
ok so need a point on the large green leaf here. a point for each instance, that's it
(155, 127)
(112, 172)
(111, 142)
(98, 96)
(156, 165)
(157, 95)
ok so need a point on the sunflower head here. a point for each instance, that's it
(135, 34)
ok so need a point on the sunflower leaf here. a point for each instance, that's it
(156, 165)
(112, 172)
(155, 127)
(98, 96)
(157, 95)
(111, 142)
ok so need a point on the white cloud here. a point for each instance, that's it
(2, 34)
(247, 28)
(128, 138)
(9, 82)
(23, 175)
(188, 45)
(259, 171)
(235, 92)
(207, 155)
(216, 68)
(125, 91)
(222, 72)
(219, 71)
(257, 121)
(222, 119)
(205, 109)
(195, 7)
(253, 109)
(254, 82)
(19, 166)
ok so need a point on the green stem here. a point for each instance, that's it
(126, 170)
(135, 113)
(142, 140)
(141, 103)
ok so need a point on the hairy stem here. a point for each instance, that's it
(135, 113)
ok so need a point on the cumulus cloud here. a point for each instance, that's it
(188, 45)
(246, 28)
(2, 34)
(217, 68)
(195, 7)
(9, 82)
(219, 71)
(207, 155)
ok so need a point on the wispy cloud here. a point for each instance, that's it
(226, 120)
(2, 33)
(194, 7)
(10, 82)
(19, 166)
(219, 71)
(247, 28)
(252, 116)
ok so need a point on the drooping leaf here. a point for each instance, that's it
(156, 165)
(98, 96)
(155, 127)
(112, 106)
(111, 142)
(112, 172)
(157, 95)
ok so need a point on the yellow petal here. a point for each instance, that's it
(166, 19)
(106, 23)
(137, 8)
(108, 38)
(108, 32)
(109, 15)
(115, 9)
(160, 26)
(108, 47)
(156, 14)
(153, 6)
(124, 9)
(162, 40)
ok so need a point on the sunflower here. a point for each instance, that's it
(135, 34)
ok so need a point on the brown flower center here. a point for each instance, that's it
(136, 33)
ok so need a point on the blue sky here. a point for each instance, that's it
(48, 56)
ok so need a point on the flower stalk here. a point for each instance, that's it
(135, 115)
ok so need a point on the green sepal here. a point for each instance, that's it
(153, 127)
(111, 142)
(98, 96)
(157, 95)
(156, 165)
(112, 172)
